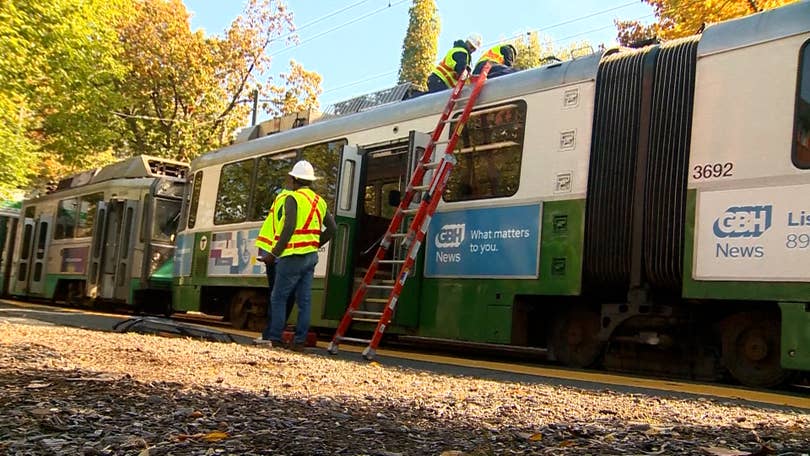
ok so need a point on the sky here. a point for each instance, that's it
(356, 45)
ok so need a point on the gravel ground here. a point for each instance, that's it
(73, 391)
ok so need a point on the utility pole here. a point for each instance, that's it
(255, 106)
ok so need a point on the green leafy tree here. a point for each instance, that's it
(185, 90)
(58, 81)
(420, 47)
(680, 18)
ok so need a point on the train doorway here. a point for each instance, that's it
(372, 181)
(113, 245)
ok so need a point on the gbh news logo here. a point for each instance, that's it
(743, 221)
(450, 236)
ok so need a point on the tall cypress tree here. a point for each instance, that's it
(420, 47)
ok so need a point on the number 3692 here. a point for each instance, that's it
(712, 170)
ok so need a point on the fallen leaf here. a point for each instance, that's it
(215, 436)
(719, 451)
(567, 443)
(37, 385)
(452, 453)
(144, 452)
(536, 437)
(195, 414)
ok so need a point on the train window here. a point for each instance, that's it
(801, 135)
(195, 199)
(325, 158)
(39, 252)
(26, 245)
(489, 153)
(66, 218)
(271, 172)
(233, 194)
(87, 214)
(165, 219)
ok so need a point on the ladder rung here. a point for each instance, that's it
(421, 188)
(367, 314)
(432, 165)
(377, 300)
(366, 320)
(392, 261)
(383, 287)
(353, 339)
(398, 235)
(410, 211)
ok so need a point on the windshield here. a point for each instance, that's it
(165, 220)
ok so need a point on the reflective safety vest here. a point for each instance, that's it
(274, 221)
(445, 70)
(307, 235)
(493, 54)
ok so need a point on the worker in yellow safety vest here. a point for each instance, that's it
(457, 59)
(502, 58)
(307, 225)
(265, 241)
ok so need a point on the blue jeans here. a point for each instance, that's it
(270, 270)
(294, 274)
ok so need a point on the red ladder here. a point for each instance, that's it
(431, 194)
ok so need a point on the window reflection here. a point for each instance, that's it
(489, 153)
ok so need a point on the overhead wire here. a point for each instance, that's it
(322, 18)
(566, 22)
(379, 10)
(559, 24)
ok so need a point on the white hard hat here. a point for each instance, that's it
(303, 170)
(475, 40)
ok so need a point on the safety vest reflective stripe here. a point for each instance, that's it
(267, 236)
(306, 237)
(445, 70)
(448, 75)
(298, 245)
(494, 54)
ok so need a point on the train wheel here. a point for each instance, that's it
(574, 338)
(751, 349)
(238, 309)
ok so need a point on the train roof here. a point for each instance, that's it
(504, 87)
(140, 166)
(766, 26)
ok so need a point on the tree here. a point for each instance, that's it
(680, 18)
(420, 47)
(186, 91)
(57, 85)
(299, 92)
(532, 53)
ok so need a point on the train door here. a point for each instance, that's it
(26, 252)
(372, 180)
(99, 230)
(110, 267)
(39, 256)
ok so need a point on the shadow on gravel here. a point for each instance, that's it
(91, 413)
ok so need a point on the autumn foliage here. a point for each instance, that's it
(420, 47)
(680, 18)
